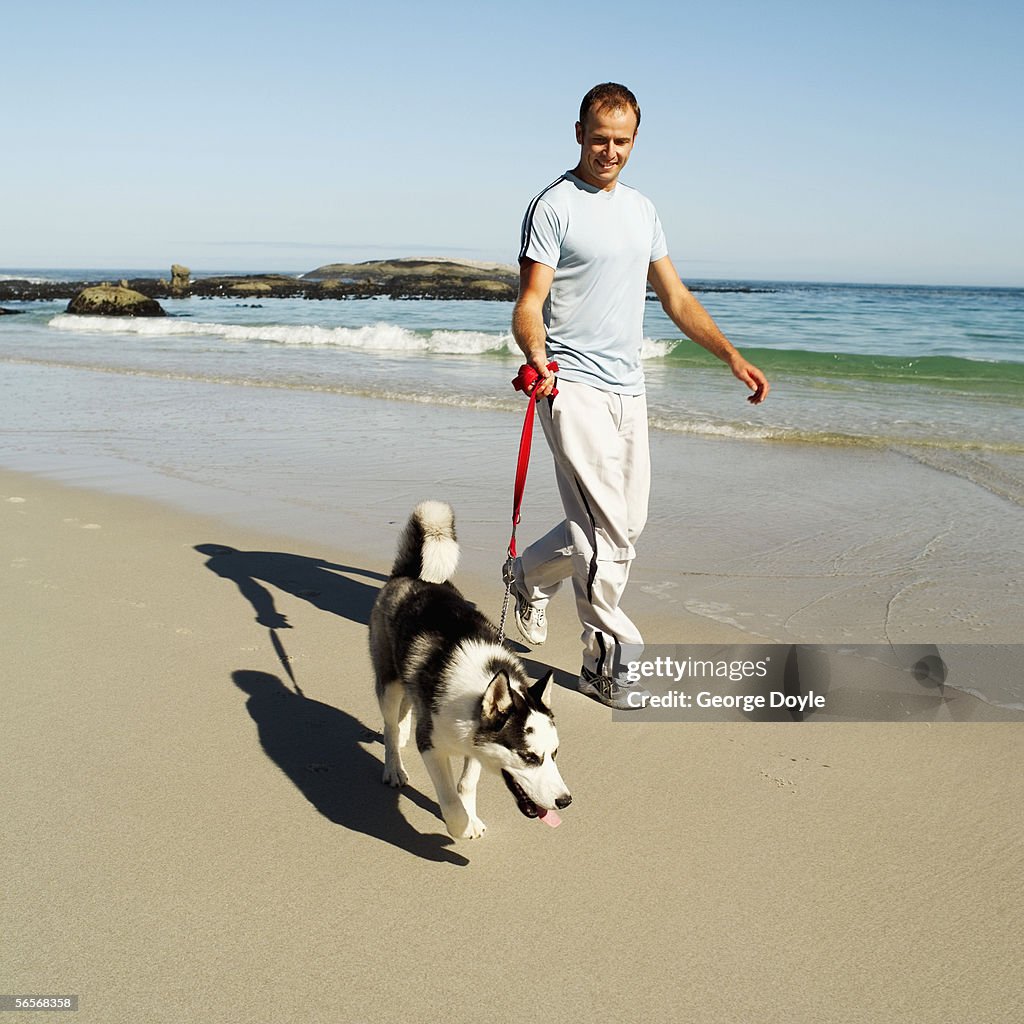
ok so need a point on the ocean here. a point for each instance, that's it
(937, 373)
(886, 468)
(933, 370)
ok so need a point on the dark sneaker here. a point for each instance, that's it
(614, 691)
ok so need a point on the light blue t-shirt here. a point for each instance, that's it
(600, 245)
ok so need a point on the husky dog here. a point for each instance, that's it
(437, 657)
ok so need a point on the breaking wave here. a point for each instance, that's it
(378, 337)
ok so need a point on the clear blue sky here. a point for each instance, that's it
(792, 140)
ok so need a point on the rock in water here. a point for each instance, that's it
(180, 279)
(111, 300)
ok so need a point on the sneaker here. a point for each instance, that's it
(614, 691)
(531, 620)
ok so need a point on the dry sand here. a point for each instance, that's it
(195, 830)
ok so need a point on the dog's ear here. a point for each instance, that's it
(497, 699)
(519, 701)
(541, 691)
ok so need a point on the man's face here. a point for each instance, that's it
(606, 140)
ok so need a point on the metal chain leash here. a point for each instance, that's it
(509, 577)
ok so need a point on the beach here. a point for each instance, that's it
(196, 829)
(259, 267)
(194, 530)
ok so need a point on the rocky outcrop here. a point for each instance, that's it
(438, 278)
(271, 286)
(415, 278)
(10, 312)
(462, 270)
(113, 300)
(180, 279)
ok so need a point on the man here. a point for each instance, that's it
(590, 246)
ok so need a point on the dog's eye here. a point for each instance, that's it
(531, 759)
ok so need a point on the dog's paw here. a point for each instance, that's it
(466, 827)
(395, 776)
(475, 830)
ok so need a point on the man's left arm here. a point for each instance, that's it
(695, 322)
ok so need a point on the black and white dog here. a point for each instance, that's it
(436, 657)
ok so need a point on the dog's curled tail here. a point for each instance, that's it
(428, 549)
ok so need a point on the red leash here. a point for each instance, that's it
(525, 381)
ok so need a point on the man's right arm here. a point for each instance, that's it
(528, 320)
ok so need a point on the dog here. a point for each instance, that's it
(436, 657)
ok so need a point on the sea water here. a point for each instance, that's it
(934, 369)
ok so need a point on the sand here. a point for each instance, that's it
(195, 830)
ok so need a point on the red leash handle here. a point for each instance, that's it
(525, 381)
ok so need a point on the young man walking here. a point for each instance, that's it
(590, 246)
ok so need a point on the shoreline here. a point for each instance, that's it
(691, 629)
(779, 543)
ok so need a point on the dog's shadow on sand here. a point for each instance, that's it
(323, 750)
(326, 585)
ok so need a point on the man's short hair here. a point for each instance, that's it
(609, 96)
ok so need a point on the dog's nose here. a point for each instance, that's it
(563, 801)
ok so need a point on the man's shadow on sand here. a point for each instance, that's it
(326, 585)
(323, 750)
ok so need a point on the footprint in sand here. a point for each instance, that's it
(44, 584)
(17, 501)
(85, 526)
(787, 772)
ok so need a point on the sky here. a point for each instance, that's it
(810, 141)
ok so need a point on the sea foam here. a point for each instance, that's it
(379, 337)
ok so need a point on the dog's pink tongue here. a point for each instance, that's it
(549, 817)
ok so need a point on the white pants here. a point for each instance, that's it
(603, 468)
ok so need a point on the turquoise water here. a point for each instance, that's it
(929, 368)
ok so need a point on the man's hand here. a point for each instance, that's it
(752, 377)
(545, 378)
(695, 322)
